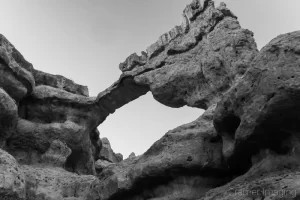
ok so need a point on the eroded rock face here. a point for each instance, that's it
(37, 108)
(40, 109)
(198, 67)
(258, 113)
(50, 114)
(272, 176)
(247, 139)
(261, 109)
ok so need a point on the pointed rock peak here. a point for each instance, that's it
(132, 155)
(223, 4)
(105, 141)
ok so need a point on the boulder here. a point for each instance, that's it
(38, 108)
(195, 69)
(50, 114)
(12, 179)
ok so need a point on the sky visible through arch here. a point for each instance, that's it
(85, 40)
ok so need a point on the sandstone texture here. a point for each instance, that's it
(244, 146)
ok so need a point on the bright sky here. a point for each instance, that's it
(86, 40)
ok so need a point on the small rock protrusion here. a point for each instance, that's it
(193, 9)
(222, 7)
(185, 25)
(223, 4)
(133, 61)
(106, 153)
(132, 155)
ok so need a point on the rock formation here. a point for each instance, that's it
(132, 155)
(194, 69)
(48, 125)
(108, 154)
(244, 146)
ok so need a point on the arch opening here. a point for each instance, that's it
(136, 126)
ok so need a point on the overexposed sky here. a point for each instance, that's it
(85, 40)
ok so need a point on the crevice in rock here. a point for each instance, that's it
(72, 161)
(228, 126)
(31, 104)
(157, 52)
(272, 134)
